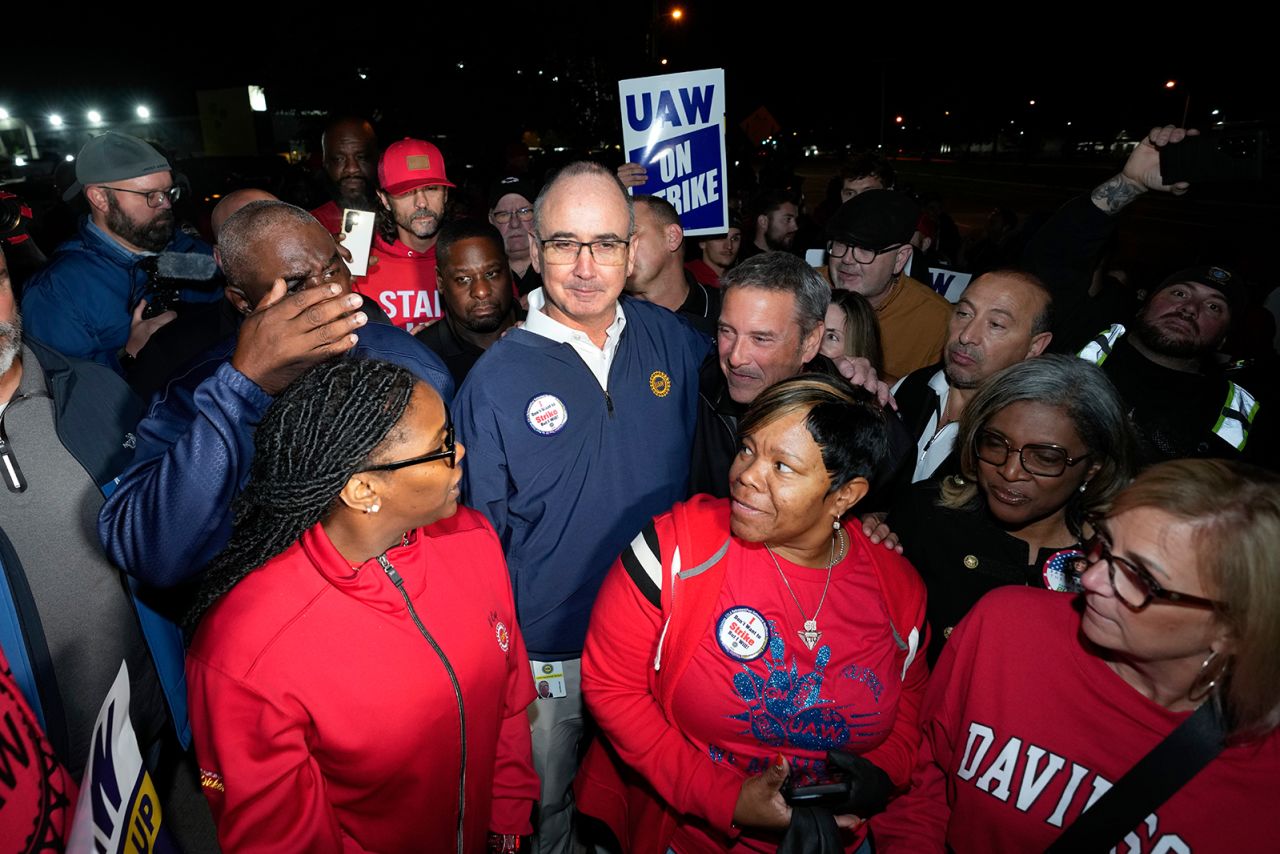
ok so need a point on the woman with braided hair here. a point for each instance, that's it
(356, 677)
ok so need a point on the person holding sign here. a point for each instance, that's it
(742, 649)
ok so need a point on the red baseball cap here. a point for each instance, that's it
(409, 164)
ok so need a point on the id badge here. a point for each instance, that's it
(548, 679)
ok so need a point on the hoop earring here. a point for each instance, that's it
(1199, 688)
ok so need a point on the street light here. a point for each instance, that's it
(898, 119)
(677, 13)
(143, 112)
(94, 117)
(1169, 84)
(4, 114)
(55, 120)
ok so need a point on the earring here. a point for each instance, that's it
(1199, 692)
(835, 524)
(373, 508)
(1084, 486)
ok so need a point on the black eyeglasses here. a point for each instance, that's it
(448, 452)
(1042, 460)
(155, 198)
(525, 214)
(609, 252)
(861, 254)
(1133, 585)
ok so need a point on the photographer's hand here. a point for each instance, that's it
(1142, 171)
(141, 329)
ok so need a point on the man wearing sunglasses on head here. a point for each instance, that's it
(89, 301)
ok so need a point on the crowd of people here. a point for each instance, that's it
(555, 528)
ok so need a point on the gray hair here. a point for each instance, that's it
(576, 170)
(1091, 403)
(246, 226)
(782, 271)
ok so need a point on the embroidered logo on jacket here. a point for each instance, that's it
(211, 780)
(659, 384)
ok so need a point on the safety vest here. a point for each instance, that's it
(1099, 348)
(1238, 411)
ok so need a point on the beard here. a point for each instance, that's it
(356, 196)
(781, 243)
(151, 236)
(1167, 343)
(421, 223)
(10, 342)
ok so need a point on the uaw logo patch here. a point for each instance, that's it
(659, 384)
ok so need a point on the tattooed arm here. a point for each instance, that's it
(1141, 172)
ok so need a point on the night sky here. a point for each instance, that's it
(829, 81)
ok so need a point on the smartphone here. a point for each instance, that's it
(357, 230)
(804, 791)
(1235, 156)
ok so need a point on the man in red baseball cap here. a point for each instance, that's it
(413, 189)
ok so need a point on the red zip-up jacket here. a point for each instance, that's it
(324, 720)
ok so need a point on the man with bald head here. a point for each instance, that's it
(349, 149)
(578, 428)
(287, 281)
(232, 202)
(1002, 318)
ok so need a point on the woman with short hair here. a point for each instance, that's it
(740, 642)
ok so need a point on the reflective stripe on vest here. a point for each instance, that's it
(1237, 417)
(1099, 348)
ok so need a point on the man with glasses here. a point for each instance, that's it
(577, 428)
(89, 301)
(511, 212)
(413, 190)
(868, 249)
(171, 510)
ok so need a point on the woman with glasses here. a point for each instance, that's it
(1042, 443)
(356, 677)
(1042, 705)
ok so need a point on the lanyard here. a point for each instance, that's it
(9, 468)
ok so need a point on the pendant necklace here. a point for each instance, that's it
(810, 634)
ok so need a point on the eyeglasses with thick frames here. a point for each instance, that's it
(155, 198)
(609, 252)
(447, 452)
(1133, 585)
(861, 254)
(525, 214)
(1043, 460)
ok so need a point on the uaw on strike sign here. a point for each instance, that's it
(673, 125)
(118, 811)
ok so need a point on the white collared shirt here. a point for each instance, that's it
(597, 359)
(935, 445)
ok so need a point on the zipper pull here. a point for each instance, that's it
(390, 570)
(12, 472)
(608, 401)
